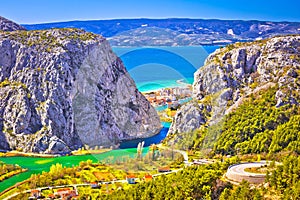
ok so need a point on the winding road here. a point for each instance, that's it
(237, 172)
(83, 184)
(183, 153)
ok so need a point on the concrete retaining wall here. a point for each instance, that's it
(256, 179)
(237, 173)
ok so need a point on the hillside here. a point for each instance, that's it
(246, 100)
(177, 32)
(65, 88)
(7, 25)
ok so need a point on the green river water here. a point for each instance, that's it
(38, 165)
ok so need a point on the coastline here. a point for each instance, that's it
(154, 86)
(166, 46)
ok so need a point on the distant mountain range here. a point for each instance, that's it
(175, 32)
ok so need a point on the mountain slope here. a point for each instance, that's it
(7, 25)
(162, 32)
(63, 88)
(245, 95)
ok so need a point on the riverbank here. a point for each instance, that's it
(38, 155)
(36, 165)
(24, 154)
(89, 151)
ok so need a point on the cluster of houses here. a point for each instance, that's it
(61, 193)
(132, 179)
(168, 96)
(71, 192)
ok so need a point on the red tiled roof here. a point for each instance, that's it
(148, 176)
(63, 189)
(164, 168)
(51, 195)
(130, 176)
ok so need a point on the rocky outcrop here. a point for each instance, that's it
(7, 25)
(189, 117)
(236, 71)
(64, 88)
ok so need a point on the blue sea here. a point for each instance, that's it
(154, 68)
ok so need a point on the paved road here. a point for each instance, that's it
(237, 172)
(186, 162)
(82, 184)
(240, 168)
(203, 161)
(165, 173)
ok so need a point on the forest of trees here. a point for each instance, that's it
(196, 182)
(256, 126)
(206, 182)
(285, 180)
(8, 170)
(241, 192)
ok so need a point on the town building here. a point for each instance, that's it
(35, 194)
(130, 179)
(163, 169)
(148, 177)
(66, 193)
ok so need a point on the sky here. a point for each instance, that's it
(42, 11)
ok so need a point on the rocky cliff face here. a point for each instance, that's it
(7, 25)
(63, 88)
(236, 71)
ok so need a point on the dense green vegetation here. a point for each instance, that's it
(85, 172)
(108, 169)
(282, 183)
(196, 182)
(241, 192)
(49, 39)
(7, 170)
(256, 126)
(285, 180)
(205, 182)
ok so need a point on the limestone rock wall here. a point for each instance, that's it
(237, 70)
(63, 88)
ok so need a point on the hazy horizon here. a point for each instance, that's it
(36, 12)
(111, 19)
